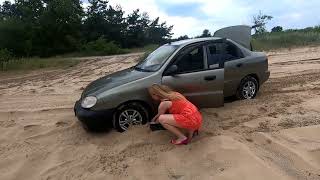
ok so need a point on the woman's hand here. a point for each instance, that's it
(155, 119)
(162, 109)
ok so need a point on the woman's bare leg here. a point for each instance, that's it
(190, 134)
(168, 122)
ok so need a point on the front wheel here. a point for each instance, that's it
(129, 114)
(248, 88)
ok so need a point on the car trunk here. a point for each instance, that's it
(240, 34)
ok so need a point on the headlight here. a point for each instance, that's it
(88, 102)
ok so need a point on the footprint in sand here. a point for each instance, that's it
(49, 90)
(273, 114)
(30, 127)
(263, 109)
(61, 124)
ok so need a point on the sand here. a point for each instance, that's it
(275, 136)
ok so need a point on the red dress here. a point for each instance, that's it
(186, 114)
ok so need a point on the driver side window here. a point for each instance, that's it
(190, 60)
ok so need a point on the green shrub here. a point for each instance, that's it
(5, 57)
(102, 47)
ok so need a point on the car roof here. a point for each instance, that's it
(190, 41)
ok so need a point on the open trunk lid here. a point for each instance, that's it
(240, 34)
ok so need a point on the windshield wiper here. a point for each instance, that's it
(140, 69)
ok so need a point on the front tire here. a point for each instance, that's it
(248, 88)
(129, 114)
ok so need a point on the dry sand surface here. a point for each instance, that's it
(275, 136)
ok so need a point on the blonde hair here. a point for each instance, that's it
(165, 92)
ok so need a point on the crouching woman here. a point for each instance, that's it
(175, 113)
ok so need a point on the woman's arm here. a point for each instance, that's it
(162, 109)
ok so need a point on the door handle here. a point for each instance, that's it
(239, 65)
(210, 78)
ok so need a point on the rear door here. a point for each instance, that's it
(227, 55)
(240, 34)
(202, 86)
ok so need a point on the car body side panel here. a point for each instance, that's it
(199, 91)
(236, 70)
(203, 93)
(262, 70)
(233, 76)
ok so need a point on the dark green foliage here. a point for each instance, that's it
(137, 26)
(5, 55)
(183, 37)
(50, 27)
(277, 29)
(102, 47)
(205, 33)
(29, 28)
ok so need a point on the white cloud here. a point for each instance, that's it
(182, 25)
(1, 1)
(220, 14)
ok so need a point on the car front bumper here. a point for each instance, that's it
(93, 120)
(265, 77)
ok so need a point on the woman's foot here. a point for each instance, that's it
(180, 141)
(192, 134)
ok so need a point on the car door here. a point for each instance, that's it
(227, 55)
(240, 34)
(202, 86)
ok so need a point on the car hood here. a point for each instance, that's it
(114, 80)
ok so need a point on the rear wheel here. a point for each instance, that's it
(248, 88)
(128, 115)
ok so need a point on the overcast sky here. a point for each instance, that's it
(190, 17)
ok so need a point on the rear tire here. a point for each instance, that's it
(248, 88)
(130, 114)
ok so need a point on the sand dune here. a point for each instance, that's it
(275, 136)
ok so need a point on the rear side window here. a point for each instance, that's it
(219, 53)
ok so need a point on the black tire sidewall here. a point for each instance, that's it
(136, 106)
(241, 86)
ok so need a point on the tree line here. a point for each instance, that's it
(51, 27)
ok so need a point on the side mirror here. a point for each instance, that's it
(172, 69)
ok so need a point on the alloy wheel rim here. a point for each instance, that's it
(129, 117)
(249, 90)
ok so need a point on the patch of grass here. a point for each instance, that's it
(37, 63)
(286, 39)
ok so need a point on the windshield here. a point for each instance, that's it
(155, 60)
